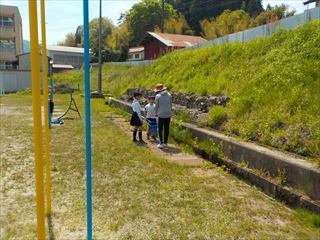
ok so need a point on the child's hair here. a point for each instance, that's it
(136, 94)
(151, 97)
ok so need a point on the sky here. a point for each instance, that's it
(63, 16)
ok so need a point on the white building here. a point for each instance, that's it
(136, 54)
(65, 58)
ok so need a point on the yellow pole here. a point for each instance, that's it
(46, 105)
(37, 126)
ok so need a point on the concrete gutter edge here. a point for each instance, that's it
(299, 176)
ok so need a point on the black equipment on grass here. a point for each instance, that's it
(72, 107)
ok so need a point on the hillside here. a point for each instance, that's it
(273, 83)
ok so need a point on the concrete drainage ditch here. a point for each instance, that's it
(299, 174)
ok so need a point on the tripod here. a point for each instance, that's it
(72, 107)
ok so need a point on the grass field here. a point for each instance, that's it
(136, 195)
(274, 85)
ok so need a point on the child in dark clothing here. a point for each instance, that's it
(136, 117)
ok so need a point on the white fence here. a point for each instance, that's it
(143, 62)
(264, 30)
(13, 81)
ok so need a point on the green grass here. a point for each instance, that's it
(274, 85)
(136, 195)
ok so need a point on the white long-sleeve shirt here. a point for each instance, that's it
(136, 108)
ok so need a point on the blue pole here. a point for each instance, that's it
(51, 100)
(87, 115)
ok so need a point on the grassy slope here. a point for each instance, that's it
(274, 85)
(136, 195)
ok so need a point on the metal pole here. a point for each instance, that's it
(100, 60)
(87, 116)
(162, 16)
(51, 100)
(46, 105)
(37, 126)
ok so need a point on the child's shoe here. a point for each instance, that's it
(160, 146)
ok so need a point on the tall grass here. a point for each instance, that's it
(273, 83)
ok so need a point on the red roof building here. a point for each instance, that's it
(158, 44)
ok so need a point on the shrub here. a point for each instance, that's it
(217, 115)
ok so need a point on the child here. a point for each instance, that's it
(151, 118)
(136, 118)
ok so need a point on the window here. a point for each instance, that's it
(74, 60)
(6, 21)
(7, 46)
(5, 65)
(137, 56)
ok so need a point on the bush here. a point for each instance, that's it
(217, 115)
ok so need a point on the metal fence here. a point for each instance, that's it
(143, 62)
(13, 81)
(264, 30)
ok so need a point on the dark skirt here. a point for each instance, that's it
(135, 120)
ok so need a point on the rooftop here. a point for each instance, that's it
(65, 49)
(174, 40)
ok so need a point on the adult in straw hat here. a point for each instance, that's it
(163, 112)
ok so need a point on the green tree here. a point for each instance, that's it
(119, 41)
(253, 7)
(145, 16)
(272, 14)
(228, 22)
(107, 28)
(176, 25)
(69, 41)
(197, 10)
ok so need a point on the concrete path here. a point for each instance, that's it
(172, 152)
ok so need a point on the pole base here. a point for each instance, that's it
(96, 94)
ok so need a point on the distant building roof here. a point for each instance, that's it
(174, 40)
(136, 49)
(65, 49)
(62, 66)
(28, 53)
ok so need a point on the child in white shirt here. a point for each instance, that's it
(150, 114)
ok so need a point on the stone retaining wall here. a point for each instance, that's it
(201, 103)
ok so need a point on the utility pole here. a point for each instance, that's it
(100, 60)
(162, 16)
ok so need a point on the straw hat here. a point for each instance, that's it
(159, 87)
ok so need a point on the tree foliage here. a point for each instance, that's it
(197, 10)
(175, 25)
(70, 40)
(119, 40)
(235, 21)
(228, 22)
(272, 14)
(146, 16)
(107, 28)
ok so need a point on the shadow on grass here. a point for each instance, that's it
(50, 227)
